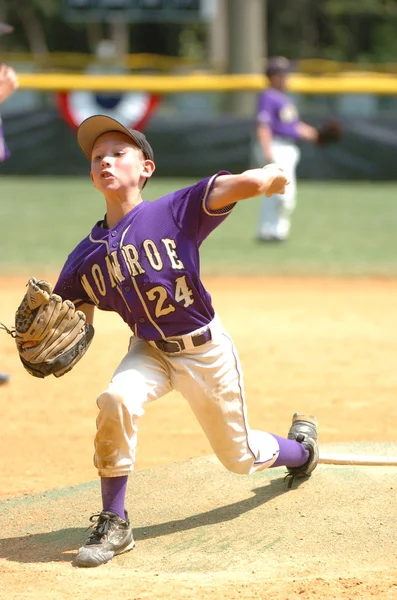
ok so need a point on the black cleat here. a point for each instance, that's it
(112, 535)
(304, 430)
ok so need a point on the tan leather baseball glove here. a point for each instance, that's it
(50, 334)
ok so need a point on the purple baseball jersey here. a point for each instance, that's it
(4, 153)
(147, 267)
(276, 110)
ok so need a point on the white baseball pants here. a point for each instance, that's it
(210, 379)
(275, 212)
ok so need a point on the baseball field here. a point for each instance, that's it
(315, 324)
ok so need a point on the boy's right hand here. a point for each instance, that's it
(277, 180)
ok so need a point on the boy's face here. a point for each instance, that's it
(117, 164)
(279, 81)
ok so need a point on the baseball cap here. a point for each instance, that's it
(92, 127)
(277, 64)
(5, 28)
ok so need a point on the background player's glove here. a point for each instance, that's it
(329, 133)
(50, 334)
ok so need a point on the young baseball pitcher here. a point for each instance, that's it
(142, 262)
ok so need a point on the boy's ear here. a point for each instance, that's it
(148, 167)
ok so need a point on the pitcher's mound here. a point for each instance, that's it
(199, 527)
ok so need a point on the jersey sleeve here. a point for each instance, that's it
(69, 286)
(190, 209)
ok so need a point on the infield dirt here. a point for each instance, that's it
(323, 346)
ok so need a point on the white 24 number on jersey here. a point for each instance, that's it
(158, 294)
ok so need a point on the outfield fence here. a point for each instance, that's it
(195, 128)
(42, 143)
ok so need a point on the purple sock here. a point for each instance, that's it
(113, 491)
(292, 453)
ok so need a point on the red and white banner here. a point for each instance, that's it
(132, 109)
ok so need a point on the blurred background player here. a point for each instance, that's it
(8, 85)
(278, 133)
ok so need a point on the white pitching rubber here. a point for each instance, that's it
(357, 459)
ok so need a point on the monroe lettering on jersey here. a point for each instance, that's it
(131, 258)
(147, 268)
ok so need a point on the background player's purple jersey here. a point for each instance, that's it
(4, 153)
(276, 110)
(147, 267)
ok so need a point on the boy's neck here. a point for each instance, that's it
(116, 211)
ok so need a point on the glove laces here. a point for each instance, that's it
(10, 332)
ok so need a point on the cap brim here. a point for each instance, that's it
(5, 28)
(97, 125)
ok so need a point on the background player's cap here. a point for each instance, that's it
(5, 28)
(277, 65)
(90, 129)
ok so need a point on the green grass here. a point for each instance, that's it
(339, 228)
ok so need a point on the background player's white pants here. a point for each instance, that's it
(275, 212)
(210, 379)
